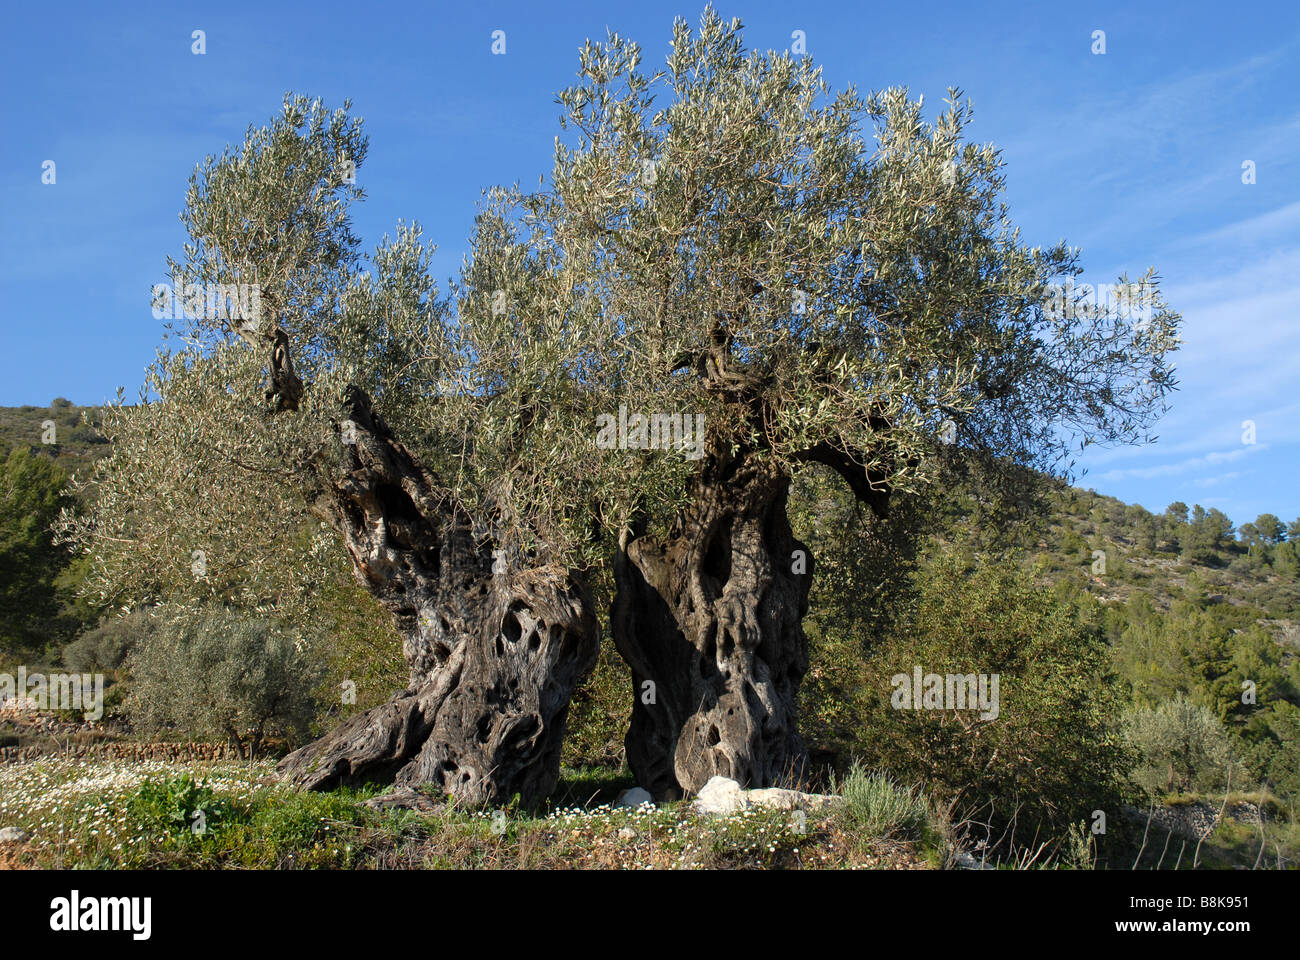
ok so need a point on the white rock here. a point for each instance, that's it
(725, 796)
(720, 795)
(633, 798)
(13, 835)
(779, 799)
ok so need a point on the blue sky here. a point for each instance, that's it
(1135, 156)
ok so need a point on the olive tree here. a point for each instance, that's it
(733, 274)
(826, 278)
(346, 402)
(1181, 745)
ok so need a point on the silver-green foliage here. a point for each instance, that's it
(1180, 745)
(877, 806)
(855, 257)
(725, 236)
(221, 674)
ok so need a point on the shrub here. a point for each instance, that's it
(1181, 745)
(878, 807)
(1051, 753)
(599, 713)
(359, 646)
(106, 646)
(862, 576)
(180, 808)
(1284, 766)
(219, 673)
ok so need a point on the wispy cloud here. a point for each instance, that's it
(1188, 465)
(1219, 479)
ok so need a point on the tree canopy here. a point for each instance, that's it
(733, 272)
(824, 276)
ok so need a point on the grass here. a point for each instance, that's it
(877, 806)
(86, 813)
(99, 814)
(92, 813)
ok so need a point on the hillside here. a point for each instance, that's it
(77, 444)
(1144, 554)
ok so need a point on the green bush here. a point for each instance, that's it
(861, 577)
(180, 808)
(1284, 766)
(1052, 753)
(1181, 746)
(876, 806)
(599, 713)
(360, 650)
(218, 673)
(32, 492)
(106, 646)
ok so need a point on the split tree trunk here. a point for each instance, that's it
(713, 618)
(494, 657)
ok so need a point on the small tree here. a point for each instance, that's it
(1284, 766)
(218, 673)
(1271, 530)
(1181, 746)
(107, 645)
(1046, 754)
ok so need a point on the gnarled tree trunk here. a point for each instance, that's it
(713, 618)
(494, 655)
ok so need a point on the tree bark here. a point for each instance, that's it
(712, 617)
(494, 654)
